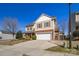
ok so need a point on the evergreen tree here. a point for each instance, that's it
(19, 35)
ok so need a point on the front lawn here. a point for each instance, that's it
(63, 50)
(11, 42)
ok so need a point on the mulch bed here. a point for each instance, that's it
(11, 42)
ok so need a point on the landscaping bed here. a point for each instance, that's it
(11, 42)
(63, 50)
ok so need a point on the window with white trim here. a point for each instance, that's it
(39, 25)
(46, 24)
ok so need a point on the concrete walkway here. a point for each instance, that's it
(31, 48)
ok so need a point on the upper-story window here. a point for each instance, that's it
(47, 24)
(30, 28)
(39, 25)
(27, 28)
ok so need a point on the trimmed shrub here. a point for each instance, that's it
(33, 37)
(27, 37)
(19, 35)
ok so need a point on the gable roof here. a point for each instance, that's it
(30, 25)
(41, 17)
(44, 17)
(43, 14)
(5, 32)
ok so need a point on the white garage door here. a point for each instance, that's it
(43, 36)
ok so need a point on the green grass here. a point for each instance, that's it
(63, 50)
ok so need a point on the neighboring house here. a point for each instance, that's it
(74, 22)
(4, 36)
(61, 35)
(45, 28)
(30, 30)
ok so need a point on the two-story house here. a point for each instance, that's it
(45, 28)
(30, 30)
(74, 22)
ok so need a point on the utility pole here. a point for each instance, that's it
(70, 43)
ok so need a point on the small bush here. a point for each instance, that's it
(27, 37)
(33, 37)
(19, 35)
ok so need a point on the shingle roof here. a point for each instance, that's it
(53, 18)
(30, 25)
(48, 15)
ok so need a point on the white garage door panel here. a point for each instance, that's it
(43, 36)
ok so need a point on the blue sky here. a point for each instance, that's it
(29, 12)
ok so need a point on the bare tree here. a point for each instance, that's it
(63, 27)
(10, 25)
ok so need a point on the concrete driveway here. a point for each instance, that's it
(30, 48)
